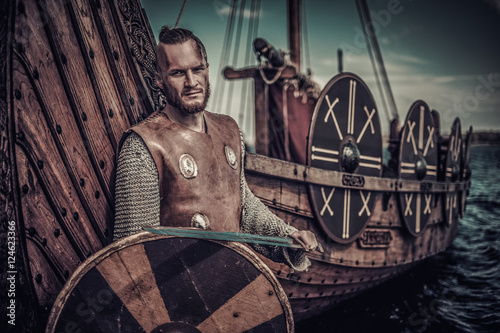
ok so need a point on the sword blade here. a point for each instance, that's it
(224, 236)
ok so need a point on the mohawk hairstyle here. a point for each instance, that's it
(179, 36)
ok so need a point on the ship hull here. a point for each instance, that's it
(384, 250)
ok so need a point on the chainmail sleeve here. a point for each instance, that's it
(258, 219)
(137, 192)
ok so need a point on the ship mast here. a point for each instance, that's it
(294, 36)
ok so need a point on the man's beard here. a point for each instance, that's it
(175, 100)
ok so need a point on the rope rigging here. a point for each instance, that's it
(226, 45)
(180, 14)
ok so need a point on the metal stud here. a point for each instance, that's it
(57, 233)
(82, 182)
(18, 94)
(75, 216)
(25, 188)
(84, 116)
(110, 113)
(44, 242)
(40, 164)
(32, 231)
(91, 54)
(101, 164)
(63, 212)
(115, 55)
(97, 194)
(58, 129)
(38, 278)
(20, 136)
(271, 293)
(36, 75)
(20, 8)
(131, 100)
(63, 59)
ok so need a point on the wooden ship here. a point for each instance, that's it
(75, 74)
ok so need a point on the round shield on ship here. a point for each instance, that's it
(418, 156)
(453, 170)
(157, 283)
(345, 136)
(465, 170)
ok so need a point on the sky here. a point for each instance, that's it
(445, 52)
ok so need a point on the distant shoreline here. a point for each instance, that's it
(481, 138)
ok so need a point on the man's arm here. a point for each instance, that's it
(258, 219)
(137, 194)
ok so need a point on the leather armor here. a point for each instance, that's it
(199, 173)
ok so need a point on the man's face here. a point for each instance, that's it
(183, 76)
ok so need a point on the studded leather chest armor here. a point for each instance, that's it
(199, 173)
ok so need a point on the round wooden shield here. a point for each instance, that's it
(345, 136)
(418, 156)
(156, 283)
(452, 171)
(466, 172)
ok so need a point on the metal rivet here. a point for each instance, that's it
(97, 194)
(271, 293)
(57, 233)
(63, 58)
(32, 232)
(236, 315)
(63, 212)
(40, 164)
(110, 113)
(20, 48)
(131, 100)
(44, 242)
(296, 208)
(115, 55)
(357, 262)
(295, 172)
(101, 164)
(341, 260)
(75, 216)
(84, 116)
(58, 129)
(18, 94)
(20, 8)
(304, 173)
(274, 201)
(91, 54)
(36, 75)
(25, 188)
(38, 278)
(82, 182)
(20, 136)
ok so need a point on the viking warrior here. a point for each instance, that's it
(183, 165)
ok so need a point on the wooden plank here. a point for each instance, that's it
(240, 314)
(130, 276)
(264, 165)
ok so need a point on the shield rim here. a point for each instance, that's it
(146, 236)
(400, 195)
(312, 200)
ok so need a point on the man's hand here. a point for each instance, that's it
(307, 239)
